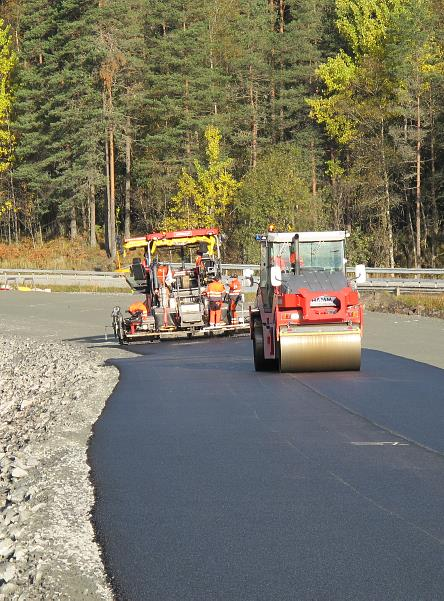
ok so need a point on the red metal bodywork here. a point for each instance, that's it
(295, 310)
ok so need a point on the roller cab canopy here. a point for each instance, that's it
(306, 236)
(315, 252)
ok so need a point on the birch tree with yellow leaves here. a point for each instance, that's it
(7, 63)
(205, 199)
(370, 107)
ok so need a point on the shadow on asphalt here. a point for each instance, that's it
(145, 347)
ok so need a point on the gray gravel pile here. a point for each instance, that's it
(50, 395)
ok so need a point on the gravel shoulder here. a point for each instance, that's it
(51, 395)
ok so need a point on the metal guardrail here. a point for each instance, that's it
(61, 272)
(110, 279)
(399, 285)
(351, 270)
(400, 270)
(33, 278)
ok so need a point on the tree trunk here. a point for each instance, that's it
(418, 182)
(387, 220)
(215, 110)
(14, 205)
(108, 189)
(336, 200)
(83, 207)
(254, 127)
(435, 213)
(73, 224)
(108, 194)
(272, 9)
(92, 216)
(412, 233)
(112, 197)
(128, 144)
(314, 178)
(282, 69)
(187, 117)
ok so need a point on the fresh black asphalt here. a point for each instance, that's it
(216, 483)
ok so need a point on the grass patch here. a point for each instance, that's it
(250, 297)
(55, 254)
(431, 305)
(429, 302)
(98, 289)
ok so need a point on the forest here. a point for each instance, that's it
(120, 117)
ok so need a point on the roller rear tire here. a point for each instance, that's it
(260, 363)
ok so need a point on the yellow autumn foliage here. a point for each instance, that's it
(8, 60)
(204, 199)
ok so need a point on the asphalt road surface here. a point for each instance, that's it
(215, 483)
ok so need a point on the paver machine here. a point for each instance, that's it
(174, 274)
(307, 316)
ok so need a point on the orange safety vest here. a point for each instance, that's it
(279, 262)
(162, 272)
(235, 285)
(138, 306)
(215, 287)
(293, 259)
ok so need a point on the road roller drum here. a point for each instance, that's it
(320, 351)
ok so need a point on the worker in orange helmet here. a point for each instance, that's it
(138, 307)
(199, 259)
(165, 279)
(162, 273)
(293, 260)
(234, 296)
(215, 292)
(199, 266)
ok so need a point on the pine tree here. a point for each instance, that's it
(75, 115)
(31, 127)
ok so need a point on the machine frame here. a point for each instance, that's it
(308, 316)
(179, 307)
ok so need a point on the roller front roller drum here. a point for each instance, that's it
(320, 351)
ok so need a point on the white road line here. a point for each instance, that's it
(380, 444)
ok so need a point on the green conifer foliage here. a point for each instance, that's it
(58, 110)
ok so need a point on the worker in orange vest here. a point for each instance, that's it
(199, 259)
(234, 296)
(138, 307)
(293, 260)
(165, 278)
(162, 273)
(215, 292)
